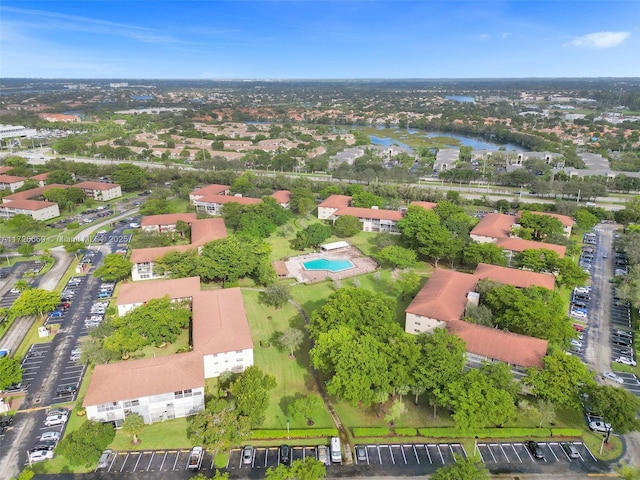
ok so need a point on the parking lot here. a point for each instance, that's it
(154, 461)
(515, 453)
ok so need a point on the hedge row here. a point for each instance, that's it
(455, 433)
(267, 434)
(371, 431)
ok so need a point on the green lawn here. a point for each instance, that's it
(293, 376)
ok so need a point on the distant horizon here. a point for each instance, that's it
(336, 79)
(319, 39)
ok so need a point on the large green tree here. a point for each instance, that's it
(421, 230)
(475, 253)
(347, 226)
(218, 426)
(232, 258)
(85, 445)
(130, 177)
(114, 268)
(464, 468)
(251, 392)
(397, 256)
(34, 301)
(305, 469)
(618, 406)
(10, 371)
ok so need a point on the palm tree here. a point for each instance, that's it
(133, 425)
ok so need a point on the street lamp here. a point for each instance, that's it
(288, 436)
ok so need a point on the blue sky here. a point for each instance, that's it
(319, 39)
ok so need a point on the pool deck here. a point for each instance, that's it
(362, 265)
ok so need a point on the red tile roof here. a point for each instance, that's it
(564, 219)
(95, 185)
(519, 245)
(426, 205)
(513, 276)
(222, 199)
(41, 176)
(31, 205)
(213, 189)
(494, 225)
(444, 296)
(206, 230)
(11, 179)
(142, 292)
(141, 255)
(220, 322)
(500, 345)
(167, 219)
(374, 213)
(34, 192)
(282, 196)
(5, 168)
(132, 379)
(336, 201)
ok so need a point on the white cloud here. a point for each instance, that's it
(600, 40)
(505, 35)
(484, 36)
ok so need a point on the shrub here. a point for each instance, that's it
(371, 432)
(406, 431)
(266, 434)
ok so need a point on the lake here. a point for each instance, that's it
(460, 98)
(475, 143)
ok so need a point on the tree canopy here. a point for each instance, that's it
(251, 392)
(114, 268)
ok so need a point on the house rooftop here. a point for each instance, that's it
(336, 201)
(95, 185)
(206, 230)
(497, 344)
(564, 219)
(31, 205)
(444, 296)
(494, 225)
(11, 179)
(143, 255)
(142, 292)
(374, 213)
(520, 245)
(213, 189)
(222, 199)
(513, 276)
(425, 205)
(167, 219)
(132, 379)
(282, 196)
(220, 322)
(34, 192)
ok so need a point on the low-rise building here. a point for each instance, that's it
(100, 191)
(166, 222)
(212, 204)
(11, 182)
(39, 210)
(133, 295)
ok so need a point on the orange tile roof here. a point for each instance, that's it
(500, 345)
(95, 185)
(374, 213)
(282, 196)
(132, 379)
(41, 176)
(222, 199)
(142, 292)
(564, 219)
(444, 296)
(142, 255)
(426, 205)
(11, 179)
(494, 225)
(220, 322)
(34, 192)
(513, 276)
(31, 205)
(206, 230)
(336, 201)
(519, 245)
(213, 189)
(5, 168)
(167, 219)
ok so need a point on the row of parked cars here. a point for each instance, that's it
(43, 449)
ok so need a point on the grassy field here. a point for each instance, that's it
(292, 374)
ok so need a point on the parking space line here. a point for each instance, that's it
(379, 456)
(491, 452)
(163, 459)
(516, 452)
(135, 467)
(176, 462)
(404, 457)
(393, 460)
(426, 448)
(504, 453)
(554, 453)
(440, 452)
(153, 452)
(452, 455)
(125, 462)
(415, 452)
(594, 458)
(112, 462)
(480, 452)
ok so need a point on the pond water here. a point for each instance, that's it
(460, 98)
(475, 143)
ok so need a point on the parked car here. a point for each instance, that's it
(66, 390)
(570, 449)
(58, 411)
(622, 341)
(534, 449)
(626, 361)
(41, 455)
(53, 420)
(599, 426)
(285, 454)
(323, 454)
(47, 436)
(613, 377)
(576, 343)
(247, 455)
(55, 314)
(103, 462)
(361, 453)
(17, 388)
(44, 445)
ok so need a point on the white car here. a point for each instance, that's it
(46, 436)
(41, 455)
(626, 361)
(53, 420)
(578, 313)
(613, 377)
(576, 343)
(599, 426)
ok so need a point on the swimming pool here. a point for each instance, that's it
(326, 264)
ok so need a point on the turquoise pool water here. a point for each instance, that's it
(330, 265)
